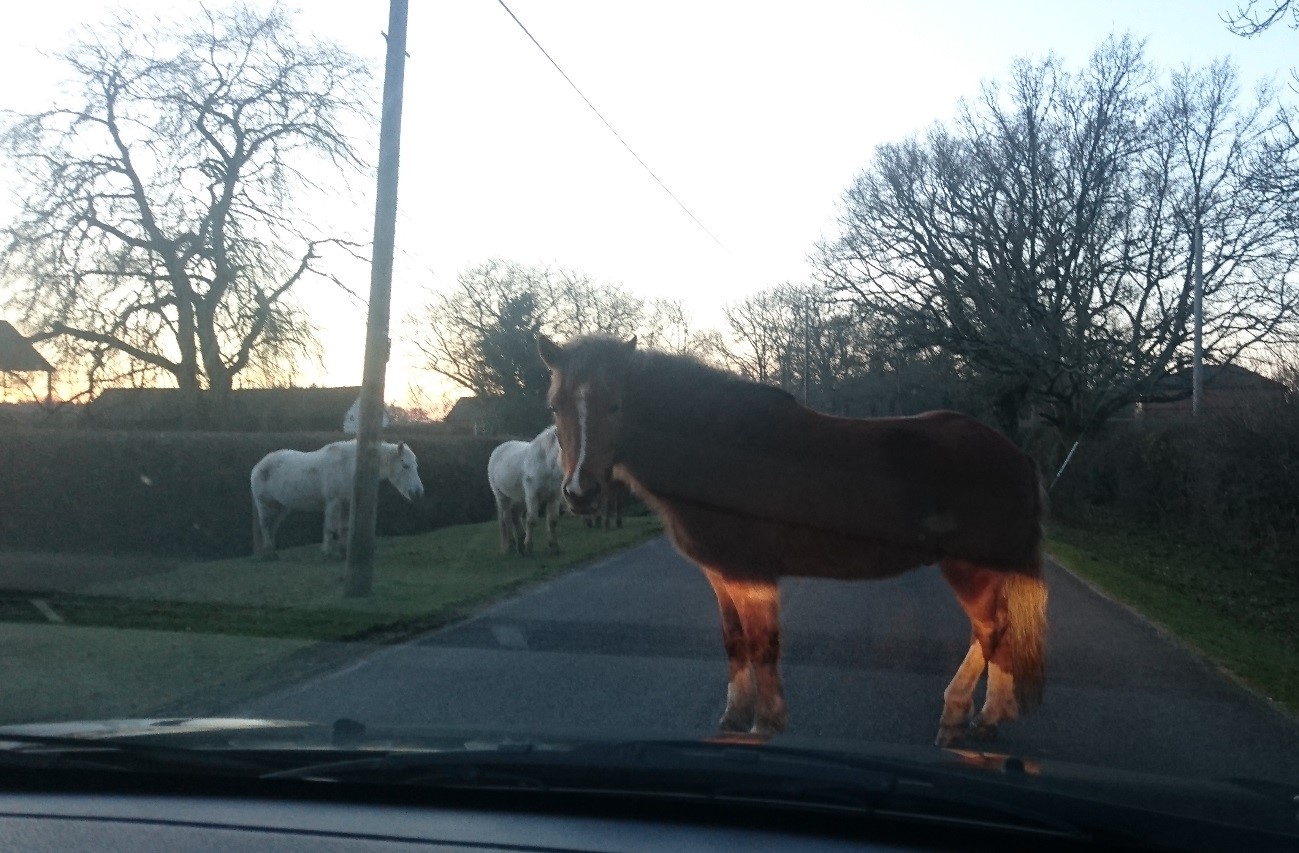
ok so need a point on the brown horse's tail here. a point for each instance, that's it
(1026, 595)
(1026, 632)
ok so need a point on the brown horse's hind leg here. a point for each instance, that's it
(1000, 704)
(979, 592)
(741, 695)
(757, 604)
(958, 698)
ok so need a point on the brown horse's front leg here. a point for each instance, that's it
(757, 603)
(741, 696)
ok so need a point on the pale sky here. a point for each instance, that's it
(756, 114)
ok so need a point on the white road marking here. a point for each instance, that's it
(46, 610)
(510, 637)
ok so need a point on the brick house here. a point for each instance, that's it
(1227, 388)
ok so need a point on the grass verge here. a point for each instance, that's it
(1239, 610)
(419, 581)
(207, 635)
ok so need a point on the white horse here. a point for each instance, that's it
(526, 477)
(321, 480)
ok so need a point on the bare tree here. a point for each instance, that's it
(453, 327)
(1253, 19)
(1045, 239)
(667, 326)
(157, 227)
(1255, 16)
(793, 337)
(573, 304)
(482, 334)
(762, 332)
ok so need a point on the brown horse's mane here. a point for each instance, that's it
(664, 377)
(681, 398)
(684, 390)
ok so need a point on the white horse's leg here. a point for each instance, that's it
(273, 529)
(332, 525)
(534, 512)
(344, 528)
(503, 517)
(269, 516)
(552, 522)
(516, 525)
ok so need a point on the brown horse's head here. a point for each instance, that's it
(586, 379)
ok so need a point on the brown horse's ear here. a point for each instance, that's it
(631, 344)
(551, 353)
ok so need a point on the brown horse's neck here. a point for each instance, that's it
(690, 431)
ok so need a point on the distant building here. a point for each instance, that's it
(1227, 388)
(251, 409)
(17, 355)
(473, 415)
(352, 420)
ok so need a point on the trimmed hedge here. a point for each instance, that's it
(187, 493)
(1232, 478)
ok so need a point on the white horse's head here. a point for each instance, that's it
(548, 438)
(402, 470)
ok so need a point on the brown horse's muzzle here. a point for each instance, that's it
(583, 498)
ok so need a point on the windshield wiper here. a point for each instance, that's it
(713, 772)
(130, 753)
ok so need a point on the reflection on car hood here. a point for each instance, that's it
(1045, 790)
(157, 727)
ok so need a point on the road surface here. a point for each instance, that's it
(630, 646)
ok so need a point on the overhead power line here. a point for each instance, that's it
(616, 134)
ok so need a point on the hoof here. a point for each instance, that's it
(736, 721)
(770, 725)
(950, 735)
(269, 557)
(983, 731)
(735, 737)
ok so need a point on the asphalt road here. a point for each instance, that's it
(631, 646)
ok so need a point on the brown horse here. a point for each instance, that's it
(751, 486)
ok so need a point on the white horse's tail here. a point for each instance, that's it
(258, 544)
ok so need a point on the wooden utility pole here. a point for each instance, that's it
(1197, 346)
(807, 332)
(365, 489)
